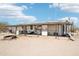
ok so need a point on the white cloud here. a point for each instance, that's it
(12, 11)
(75, 20)
(70, 7)
(25, 7)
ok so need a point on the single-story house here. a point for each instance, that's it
(46, 28)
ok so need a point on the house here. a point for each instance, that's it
(46, 28)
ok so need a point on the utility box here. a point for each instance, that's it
(44, 32)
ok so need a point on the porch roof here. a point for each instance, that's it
(44, 23)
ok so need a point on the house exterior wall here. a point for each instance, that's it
(60, 30)
(28, 27)
(24, 27)
(34, 27)
(52, 29)
(19, 28)
(12, 29)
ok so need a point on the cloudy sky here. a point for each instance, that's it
(19, 13)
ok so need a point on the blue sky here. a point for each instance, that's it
(20, 13)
